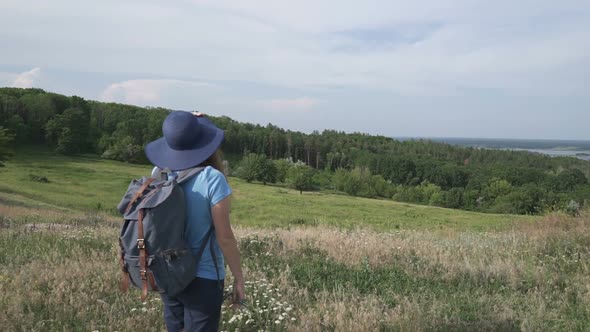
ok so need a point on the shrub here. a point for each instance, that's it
(257, 167)
(300, 177)
(573, 208)
(453, 198)
(282, 166)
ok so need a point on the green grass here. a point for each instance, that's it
(90, 183)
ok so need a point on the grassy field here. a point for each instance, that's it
(314, 262)
(93, 184)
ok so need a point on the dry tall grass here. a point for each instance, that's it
(532, 277)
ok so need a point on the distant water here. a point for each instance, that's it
(554, 148)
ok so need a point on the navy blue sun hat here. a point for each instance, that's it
(188, 141)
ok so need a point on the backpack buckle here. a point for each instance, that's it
(140, 244)
(143, 274)
(164, 174)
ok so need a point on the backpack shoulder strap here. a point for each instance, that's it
(187, 174)
(206, 239)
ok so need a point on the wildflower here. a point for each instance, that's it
(277, 321)
(293, 319)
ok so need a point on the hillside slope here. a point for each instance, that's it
(91, 183)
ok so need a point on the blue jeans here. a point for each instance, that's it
(197, 308)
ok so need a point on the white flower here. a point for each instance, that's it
(132, 310)
(277, 321)
(293, 318)
(144, 309)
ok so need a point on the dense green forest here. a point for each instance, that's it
(358, 164)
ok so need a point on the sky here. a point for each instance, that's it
(438, 68)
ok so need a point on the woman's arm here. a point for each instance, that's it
(229, 246)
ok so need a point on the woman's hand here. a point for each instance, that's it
(238, 294)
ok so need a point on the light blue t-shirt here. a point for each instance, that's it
(201, 192)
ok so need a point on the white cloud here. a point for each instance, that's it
(303, 104)
(27, 79)
(148, 92)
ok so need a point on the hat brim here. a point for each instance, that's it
(162, 155)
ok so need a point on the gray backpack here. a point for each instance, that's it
(154, 252)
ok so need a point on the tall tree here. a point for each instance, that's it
(300, 177)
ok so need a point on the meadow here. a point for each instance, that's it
(92, 184)
(314, 262)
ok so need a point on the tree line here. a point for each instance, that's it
(418, 171)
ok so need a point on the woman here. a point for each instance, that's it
(191, 140)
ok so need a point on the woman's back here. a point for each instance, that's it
(204, 190)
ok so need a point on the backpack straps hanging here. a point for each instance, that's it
(145, 275)
(214, 257)
(124, 283)
(204, 244)
(208, 240)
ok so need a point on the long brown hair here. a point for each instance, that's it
(215, 161)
